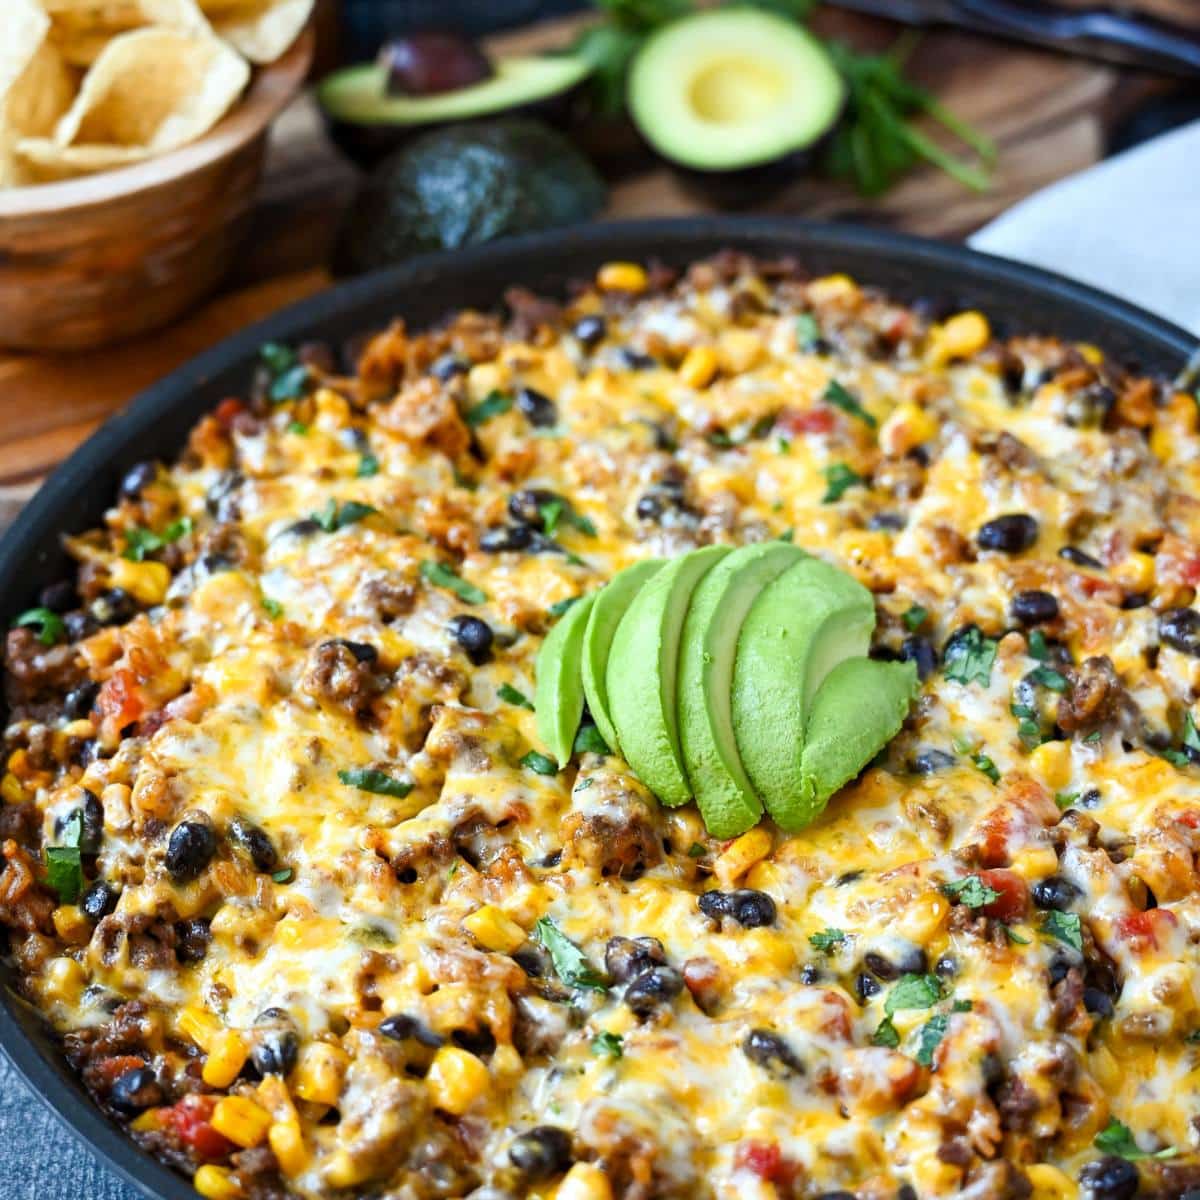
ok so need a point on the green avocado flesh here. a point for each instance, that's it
(719, 605)
(641, 674)
(558, 699)
(607, 611)
(732, 88)
(359, 94)
(858, 709)
(799, 628)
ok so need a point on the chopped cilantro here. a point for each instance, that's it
(1191, 736)
(51, 629)
(368, 465)
(1049, 678)
(298, 428)
(783, 445)
(787, 535)
(333, 517)
(808, 332)
(695, 850)
(720, 439)
(511, 695)
(913, 991)
(1013, 936)
(588, 740)
(289, 385)
(1117, 1138)
(539, 763)
(827, 940)
(440, 575)
(960, 1006)
(886, 1034)
(64, 872)
(985, 764)
(1176, 758)
(277, 357)
(839, 479)
(273, 608)
(839, 397)
(550, 512)
(366, 779)
(608, 1045)
(1036, 644)
(930, 1038)
(1064, 927)
(570, 963)
(969, 656)
(494, 404)
(282, 876)
(560, 606)
(971, 891)
(1064, 800)
(1030, 733)
(915, 617)
(141, 542)
(1092, 738)
(582, 785)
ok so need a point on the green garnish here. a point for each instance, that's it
(550, 513)
(277, 357)
(440, 575)
(971, 891)
(560, 606)
(1049, 678)
(272, 608)
(969, 657)
(511, 695)
(141, 542)
(1064, 800)
(1064, 927)
(913, 991)
(839, 397)
(1036, 645)
(1013, 936)
(915, 617)
(298, 428)
(783, 445)
(368, 465)
(886, 1034)
(827, 940)
(930, 1038)
(1191, 736)
(808, 332)
(282, 876)
(839, 478)
(985, 764)
(608, 1045)
(367, 779)
(64, 872)
(589, 740)
(289, 385)
(570, 963)
(333, 517)
(539, 763)
(494, 404)
(695, 850)
(51, 629)
(1092, 738)
(1117, 1138)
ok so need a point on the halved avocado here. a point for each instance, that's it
(856, 712)
(641, 675)
(798, 629)
(727, 799)
(558, 695)
(609, 607)
(733, 88)
(367, 122)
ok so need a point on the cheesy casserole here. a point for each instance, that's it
(288, 871)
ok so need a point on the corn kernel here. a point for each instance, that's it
(741, 854)
(1184, 411)
(1035, 862)
(1049, 1183)
(199, 1025)
(1135, 572)
(11, 789)
(907, 428)
(1163, 443)
(493, 930)
(1105, 1069)
(287, 1143)
(507, 1065)
(584, 1181)
(215, 1183)
(921, 919)
(241, 1120)
(63, 980)
(739, 350)
(832, 287)
(226, 1056)
(456, 1080)
(319, 1073)
(83, 728)
(71, 925)
(964, 334)
(621, 277)
(145, 581)
(1091, 354)
(698, 367)
(148, 1121)
(345, 1170)
(329, 403)
(1051, 762)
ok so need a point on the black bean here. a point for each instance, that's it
(748, 908)
(1109, 1178)
(626, 958)
(216, 564)
(537, 408)
(929, 762)
(1057, 969)
(449, 365)
(946, 967)
(114, 607)
(886, 520)
(402, 1027)
(1079, 557)
(992, 1068)
(192, 939)
(1010, 533)
(363, 652)
(1054, 892)
(810, 974)
(92, 822)
(59, 597)
(653, 988)
(1135, 600)
(636, 360)
(1034, 607)
(78, 702)
(1180, 629)
(848, 877)
(1097, 1001)
(765, 1048)
(220, 501)
(255, 842)
(135, 1090)
(866, 986)
(542, 1153)
(590, 330)
(275, 1051)
(911, 960)
(920, 650)
(906, 1191)
(649, 507)
(305, 527)
(137, 479)
(841, 1195)
(474, 636)
(99, 900)
(506, 537)
(80, 625)
(480, 1042)
(879, 966)
(190, 849)
(525, 507)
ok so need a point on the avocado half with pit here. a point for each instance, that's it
(734, 88)
(367, 122)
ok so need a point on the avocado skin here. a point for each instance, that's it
(465, 185)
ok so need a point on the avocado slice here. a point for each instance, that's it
(727, 799)
(798, 629)
(856, 712)
(611, 602)
(367, 122)
(641, 674)
(732, 88)
(558, 694)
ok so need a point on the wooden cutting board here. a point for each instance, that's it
(1048, 115)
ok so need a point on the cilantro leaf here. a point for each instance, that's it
(277, 357)
(808, 332)
(141, 542)
(839, 479)
(64, 872)
(913, 991)
(971, 891)
(839, 397)
(560, 606)
(550, 512)
(968, 656)
(930, 1038)
(1064, 800)
(1036, 645)
(51, 629)
(608, 1045)
(1049, 678)
(696, 850)
(1191, 736)
(512, 695)
(886, 1034)
(368, 465)
(570, 963)
(284, 875)
(367, 779)
(333, 517)
(494, 404)
(984, 763)
(827, 940)
(589, 740)
(440, 575)
(539, 763)
(1013, 936)
(915, 617)
(272, 608)
(290, 384)
(1065, 927)
(1117, 1138)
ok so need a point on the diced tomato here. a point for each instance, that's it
(766, 1160)
(1143, 929)
(1013, 899)
(106, 1072)
(994, 833)
(1190, 818)
(1189, 571)
(120, 699)
(191, 1119)
(792, 422)
(229, 409)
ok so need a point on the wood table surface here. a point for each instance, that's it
(1047, 113)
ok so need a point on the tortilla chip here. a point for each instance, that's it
(153, 90)
(261, 29)
(43, 160)
(82, 28)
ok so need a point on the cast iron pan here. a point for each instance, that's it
(1016, 298)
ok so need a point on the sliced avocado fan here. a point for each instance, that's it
(611, 602)
(641, 674)
(727, 798)
(558, 696)
(798, 629)
(858, 709)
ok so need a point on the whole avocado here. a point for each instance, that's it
(465, 185)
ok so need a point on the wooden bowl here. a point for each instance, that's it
(93, 260)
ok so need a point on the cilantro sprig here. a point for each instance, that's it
(50, 626)
(571, 965)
